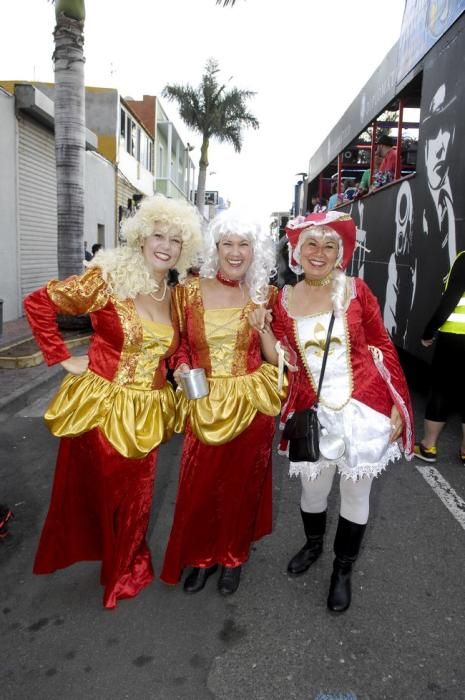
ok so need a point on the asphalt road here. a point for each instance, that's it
(402, 638)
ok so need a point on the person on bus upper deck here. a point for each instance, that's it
(336, 197)
(364, 185)
(350, 190)
(388, 153)
(319, 204)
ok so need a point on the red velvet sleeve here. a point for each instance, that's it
(387, 362)
(182, 354)
(73, 296)
(280, 327)
(278, 324)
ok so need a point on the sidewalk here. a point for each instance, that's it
(21, 386)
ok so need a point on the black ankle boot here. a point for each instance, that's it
(228, 581)
(314, 526)
(197, 578)
(346, 548)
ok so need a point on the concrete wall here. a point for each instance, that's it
(99, 200)
(9, 277)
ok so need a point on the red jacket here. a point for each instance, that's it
(378, 383)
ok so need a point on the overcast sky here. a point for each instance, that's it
(306, 59)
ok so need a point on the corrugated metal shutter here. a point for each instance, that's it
(37, 205)
(125, 191)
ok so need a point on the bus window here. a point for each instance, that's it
(358, 170)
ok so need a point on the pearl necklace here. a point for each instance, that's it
(152, 294)
(318, 283)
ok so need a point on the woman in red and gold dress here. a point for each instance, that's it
(364, 407)
(224, 497)
(115, 406)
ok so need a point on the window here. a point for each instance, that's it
(133, 150)
(122, 125)
(138, 145)
(160, 162)
(128, 134)
(143, 149)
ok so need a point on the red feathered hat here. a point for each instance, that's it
(340, 222)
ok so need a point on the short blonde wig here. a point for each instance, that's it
(124, 268)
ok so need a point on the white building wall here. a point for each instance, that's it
(141, 178)
(9, 282)
(99, 201)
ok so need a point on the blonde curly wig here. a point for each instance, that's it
(124, 268)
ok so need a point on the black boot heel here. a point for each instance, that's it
(197, 578)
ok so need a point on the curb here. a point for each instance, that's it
(30, 391)
(36, 358)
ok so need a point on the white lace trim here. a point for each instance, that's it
(311, 470)
(353, 290)
(285, 300)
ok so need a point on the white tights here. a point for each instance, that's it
(355, 495)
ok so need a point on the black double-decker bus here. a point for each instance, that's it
(410, 230)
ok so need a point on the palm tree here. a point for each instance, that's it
(69, 133)
(214, 112)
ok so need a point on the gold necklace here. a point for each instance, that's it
(319, 283)
(152, 294)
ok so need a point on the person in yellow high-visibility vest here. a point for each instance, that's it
(446, 329)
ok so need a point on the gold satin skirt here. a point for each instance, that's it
(134, 421)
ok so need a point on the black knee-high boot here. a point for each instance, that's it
(314, 526)
(346, 548)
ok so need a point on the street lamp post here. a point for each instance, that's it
(298, 194)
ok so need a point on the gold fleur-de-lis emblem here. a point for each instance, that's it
(319, 335)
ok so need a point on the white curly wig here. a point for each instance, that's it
(339, 295)
(262, 267)
(124, 268)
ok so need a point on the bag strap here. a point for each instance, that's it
(325, 355)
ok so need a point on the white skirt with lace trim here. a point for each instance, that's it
(367, 448)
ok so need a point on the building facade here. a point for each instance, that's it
(28, 199)
(132, 150)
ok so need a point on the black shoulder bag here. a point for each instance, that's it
(302, 430)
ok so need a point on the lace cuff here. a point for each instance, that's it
(284, 362)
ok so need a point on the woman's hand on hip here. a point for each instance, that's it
(396, 425)
(76, 364)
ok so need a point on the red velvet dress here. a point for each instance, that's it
(111, 420)
(224, 499)
(375, 373)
